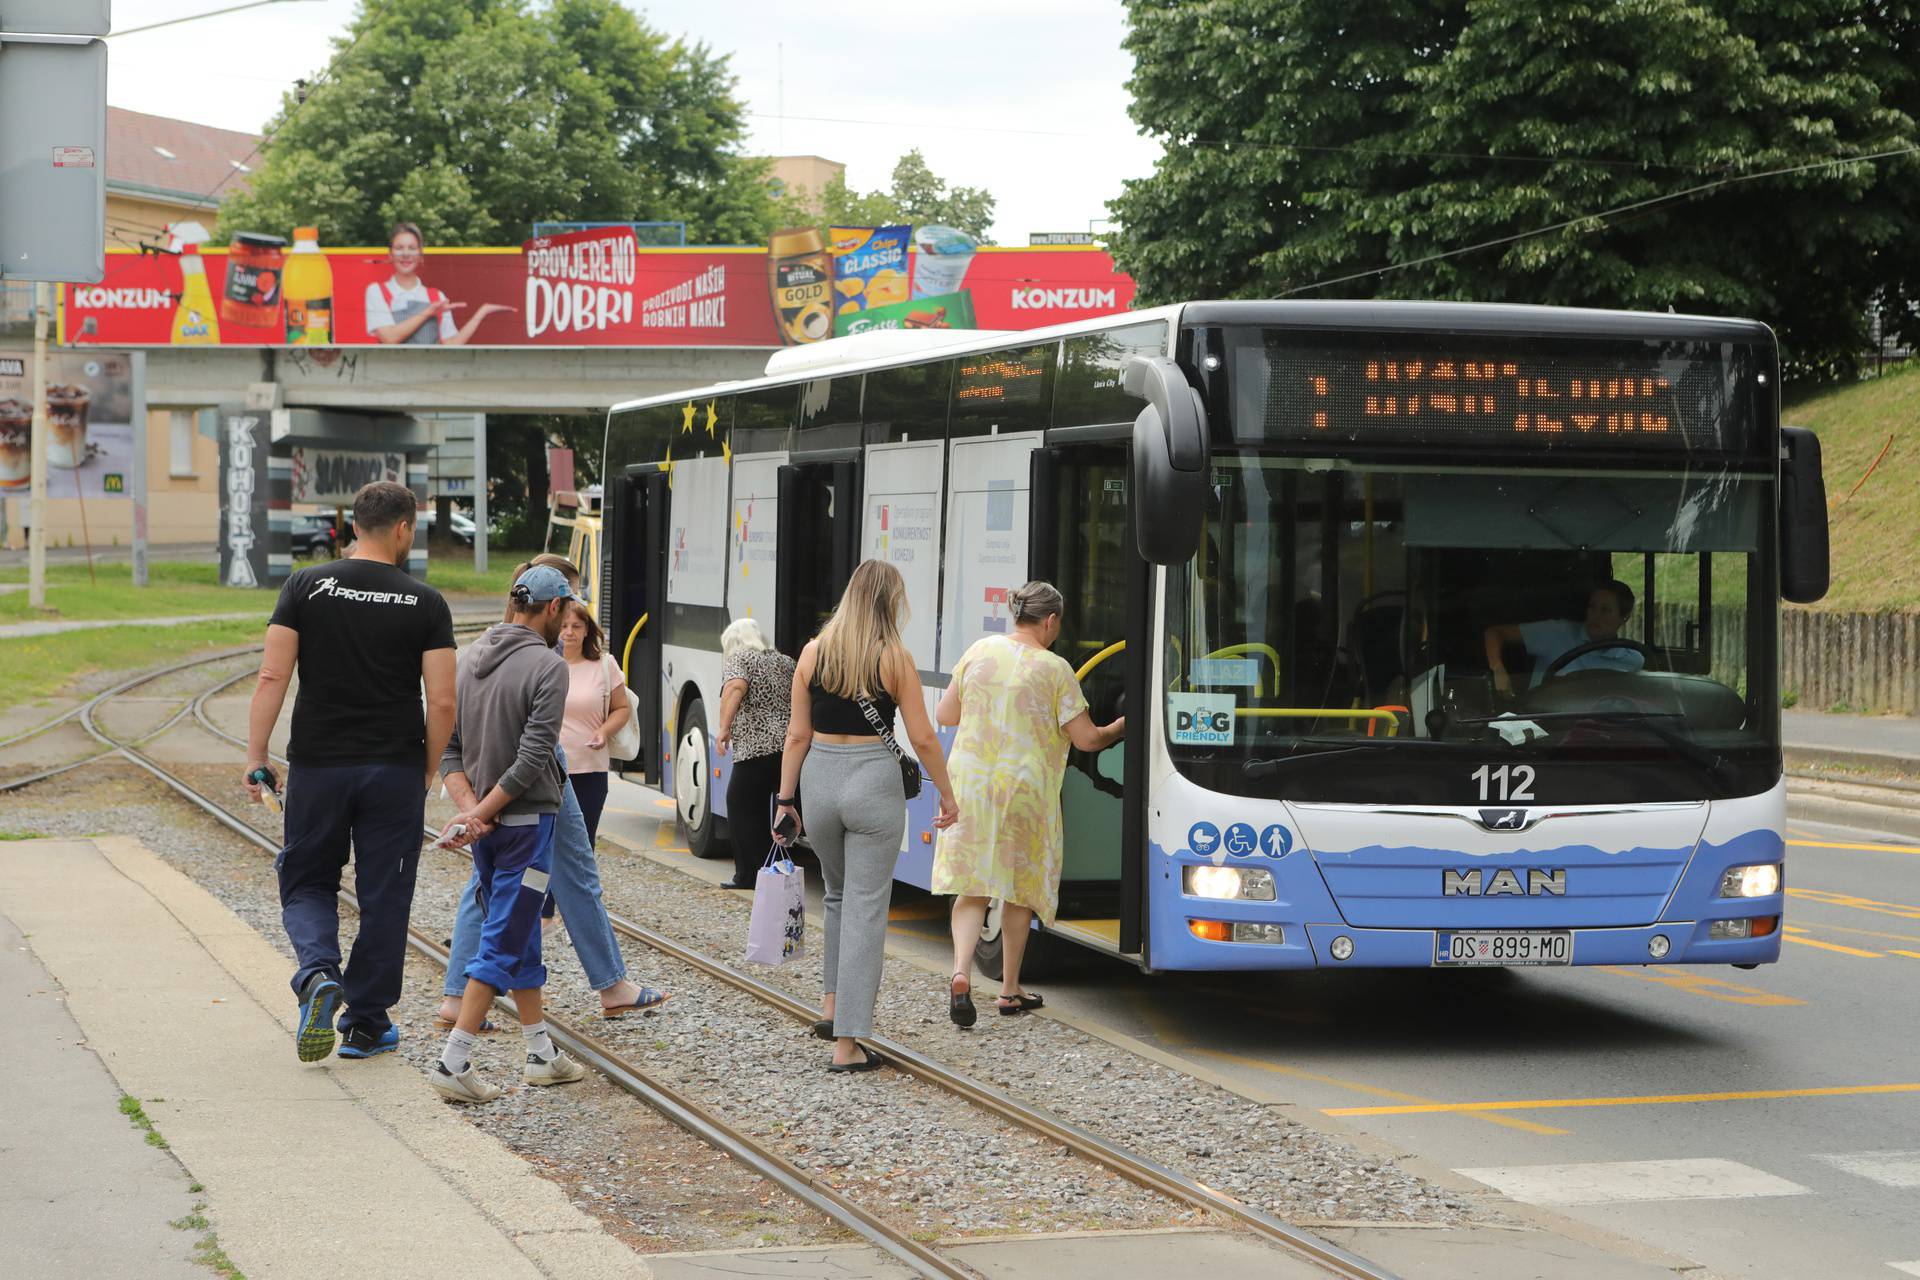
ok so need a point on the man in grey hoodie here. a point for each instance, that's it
(511, 688)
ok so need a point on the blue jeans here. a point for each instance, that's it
(376, 810)
(513, 865)
(576, 891)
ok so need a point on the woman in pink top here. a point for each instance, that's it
(596, 708)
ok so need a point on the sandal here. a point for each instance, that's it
(960, 1001)
(872, 1062)
(1025, 1002)
(447, 1024)
(823, 1029)
(649, 999)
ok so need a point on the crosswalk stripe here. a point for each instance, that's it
(1630, 1180)
(1899, 1169)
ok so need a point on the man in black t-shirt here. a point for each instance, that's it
(363, 635)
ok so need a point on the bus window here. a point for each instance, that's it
(1000, 392)
(1090, 393)
(763, 419)
(640, 436)
(908, 403)
(829, 415)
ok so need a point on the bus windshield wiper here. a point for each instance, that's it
(1266, 766)
(1715, 764)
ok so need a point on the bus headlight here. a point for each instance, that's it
(1760, 880)
(1251, 884)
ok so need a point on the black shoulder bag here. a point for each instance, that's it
(909, 767)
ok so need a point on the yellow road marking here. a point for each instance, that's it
(1911, 955)
(1869, 848)
(663, 803)
(671, 848)
(1833, 899)
(1416, 1102)
(1699, 984)
(1833, 946)
(1657, 1099)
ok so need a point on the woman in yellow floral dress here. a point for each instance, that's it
(1018, 706)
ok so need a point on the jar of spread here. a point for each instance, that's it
(252, 298)
(801, 273)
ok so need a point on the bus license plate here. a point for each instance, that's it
(1503, 948)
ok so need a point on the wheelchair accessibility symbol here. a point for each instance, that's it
(1276, 841)
(1239, 841)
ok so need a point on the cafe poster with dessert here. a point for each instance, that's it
(89, 423)
(597, 287)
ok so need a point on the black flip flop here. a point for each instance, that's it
(960, 1006)
(1024, 1003)
(823, 1029)
(872, 1062)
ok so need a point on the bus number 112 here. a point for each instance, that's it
(1513, 782)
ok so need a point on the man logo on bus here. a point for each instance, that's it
(1504, 819)
(1504, 883)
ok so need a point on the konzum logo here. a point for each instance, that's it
(1061, 299)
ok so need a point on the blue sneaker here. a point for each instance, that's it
(358, 1042)
(313, 1034)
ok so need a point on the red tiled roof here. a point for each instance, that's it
(202, 156)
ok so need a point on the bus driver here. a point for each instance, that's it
(1609, 605)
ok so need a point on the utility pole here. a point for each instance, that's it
(37, 490)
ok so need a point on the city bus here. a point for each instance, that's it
(1318, 553)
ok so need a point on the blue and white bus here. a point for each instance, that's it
(1334, 559)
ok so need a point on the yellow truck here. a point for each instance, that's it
(573, 530)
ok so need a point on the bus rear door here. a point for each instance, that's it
(634, 607)
(819, 545)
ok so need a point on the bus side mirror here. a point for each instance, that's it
(1170, 461)
(1803, 517)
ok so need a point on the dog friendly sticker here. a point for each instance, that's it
(1201, 719)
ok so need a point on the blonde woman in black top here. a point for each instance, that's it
(856, 802)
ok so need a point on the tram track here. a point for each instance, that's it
(703, 1123)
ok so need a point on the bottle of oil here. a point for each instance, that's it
(195, 322)
(801, 273)
(308, 288)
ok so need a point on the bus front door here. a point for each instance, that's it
(819, 545)
(1082, 543)
(633, 601)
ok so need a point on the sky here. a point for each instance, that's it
(1026, 98)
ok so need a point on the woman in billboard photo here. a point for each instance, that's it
(404, 310)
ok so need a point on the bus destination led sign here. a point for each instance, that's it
(1602, 399)
(1001, 378)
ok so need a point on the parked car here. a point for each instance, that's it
(461, 526)
(314, 535)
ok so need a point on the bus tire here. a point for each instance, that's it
(693, 786)
(1040, 962)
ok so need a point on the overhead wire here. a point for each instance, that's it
(1599, 217)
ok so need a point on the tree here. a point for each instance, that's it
(477, 118)
(1308, 140)
(917, 195)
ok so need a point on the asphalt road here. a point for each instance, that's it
(1582, 1089)
(1759, 1123)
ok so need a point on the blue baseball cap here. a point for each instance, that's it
(542, 584)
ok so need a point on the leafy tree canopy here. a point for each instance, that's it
(1309, 140)
(477, 118)
(916, 195)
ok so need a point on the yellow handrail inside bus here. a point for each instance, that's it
(626, 654)
(1099, 658)
(1316, 713)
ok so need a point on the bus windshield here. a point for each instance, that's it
(1380, 633)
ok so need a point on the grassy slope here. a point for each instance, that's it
(172, 590)
(1876, 533)
(36, 667)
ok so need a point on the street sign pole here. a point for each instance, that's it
(37, 484)
(479, 493)
(138, 361)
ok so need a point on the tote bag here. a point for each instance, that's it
(625, 742)
(777, 931)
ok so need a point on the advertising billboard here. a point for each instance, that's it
(89, 423)
(590, 288)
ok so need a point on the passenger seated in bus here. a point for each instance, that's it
(1609, 605)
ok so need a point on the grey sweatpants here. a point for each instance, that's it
(855, 815)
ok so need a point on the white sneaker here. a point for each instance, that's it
(463, 1087)
(559, 1069)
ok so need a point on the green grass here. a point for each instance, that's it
(172, 590)
(452, 574)
(137, 1117)
(19, 835)
(41, 666)
(1875, 534)
(206, 1250)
